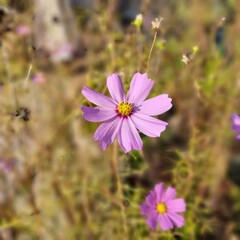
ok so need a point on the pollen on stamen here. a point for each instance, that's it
(161, 208)
(124, 109)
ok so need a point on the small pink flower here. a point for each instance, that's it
(23, 30)
(38, 77)
(7, 165)
(63, 53)
(161, 208)
(123, 114)
(236, 124)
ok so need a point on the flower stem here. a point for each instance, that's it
(151, 49)
(139, 47)
(120, 193)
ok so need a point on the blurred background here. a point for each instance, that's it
(55, 181)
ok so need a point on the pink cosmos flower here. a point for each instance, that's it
(236, 124)
(7, 165)
(123, 114)
(161, 208)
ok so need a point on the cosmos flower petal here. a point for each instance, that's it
(169, 194)
(97, 114)
(152, 221)
(147, 209)
(238, 137)
(107, 132)
(157, 105)
(176, 205)
(165, 222)
(115, 87)
(98, 98)
(128, 136)
(177, 219)
(140, 88)
(235, 122)
(151, 199)
(149, 126)
(159, 190)
(103, 128)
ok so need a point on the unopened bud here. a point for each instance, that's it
(138, 20)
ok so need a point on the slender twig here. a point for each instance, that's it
(139, 48)
(151, 49)
(27, 77)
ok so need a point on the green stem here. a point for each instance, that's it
(151, 49)
(139, 48)
(119, 184)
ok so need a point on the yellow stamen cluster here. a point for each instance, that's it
(161, 208)
(124, 108)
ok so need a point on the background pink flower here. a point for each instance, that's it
(38, 77)
(236, 124)
(23, 30)
(122, 115)
(161, 208)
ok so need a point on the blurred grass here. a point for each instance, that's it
(62, 186)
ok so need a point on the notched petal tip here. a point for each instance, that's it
(159, 190)
(169, 194)
(140, 88)
(156, 105)
(149, 126)
(107, 132)
(152, 221)
(98, 98)
(165, 222)
(176, 205)
(103, 145)
(159, 187)
(127, 150)
(115, 87)
(177, 219)
(84, 88)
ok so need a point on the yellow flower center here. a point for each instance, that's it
(124, 108)
(161, 208)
